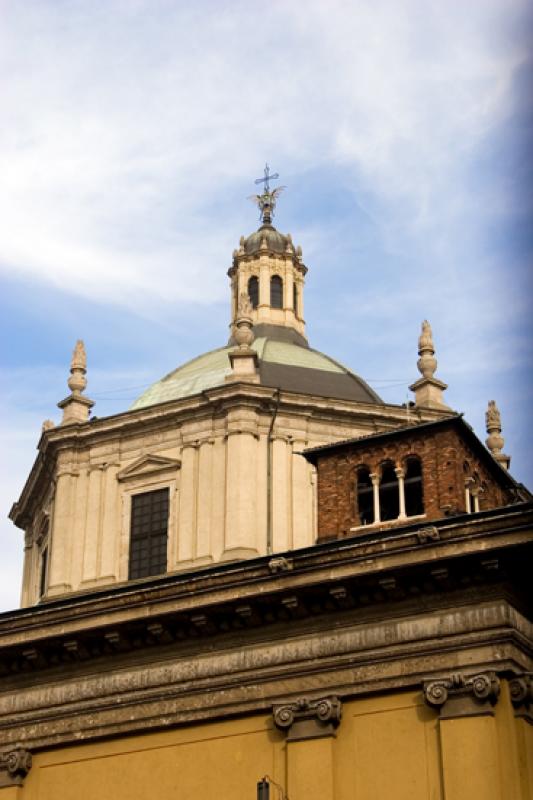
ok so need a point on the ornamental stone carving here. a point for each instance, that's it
(430, 533)
(521, 689)
(14, 766)
(458, 695)
(280, 564)
(308, 719)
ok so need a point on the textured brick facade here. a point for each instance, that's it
(449, 464)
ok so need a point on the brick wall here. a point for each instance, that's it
(447, 461)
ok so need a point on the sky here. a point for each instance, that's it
(131, 134)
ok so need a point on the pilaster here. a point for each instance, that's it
(310, 726)
(468, 734)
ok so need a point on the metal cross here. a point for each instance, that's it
(267, 178)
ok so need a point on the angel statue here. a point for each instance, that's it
(267, 202)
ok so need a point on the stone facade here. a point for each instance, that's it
(211, 451)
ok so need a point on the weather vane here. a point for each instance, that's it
(267, 200)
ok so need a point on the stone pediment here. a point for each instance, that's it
(148, 465)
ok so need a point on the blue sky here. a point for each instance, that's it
(132, 131)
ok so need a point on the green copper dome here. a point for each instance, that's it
(282, 364)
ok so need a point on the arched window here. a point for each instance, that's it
(389, 498)
(414, 494)
(253, 291)
(365, 499)
(295, 298)
(276, 292)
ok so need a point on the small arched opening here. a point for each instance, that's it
(253, 291)
(414, 492)
(365, 499)
(389, 497)
(276, 292)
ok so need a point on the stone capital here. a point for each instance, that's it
(459, 695)
(521, 688)
(308, 719)
(14, 766)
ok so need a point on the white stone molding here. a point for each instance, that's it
(147, 466)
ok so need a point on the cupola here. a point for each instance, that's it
(270, 270)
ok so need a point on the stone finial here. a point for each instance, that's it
(428, 389)
(427, 363)
(495, 440)
(76, 406)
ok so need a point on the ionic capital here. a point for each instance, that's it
(308, 719)
(459, 695)
(521, 689)
(14, 766)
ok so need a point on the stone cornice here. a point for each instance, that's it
(364, 615)
(382, 562)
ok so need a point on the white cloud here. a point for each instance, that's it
(128, 125)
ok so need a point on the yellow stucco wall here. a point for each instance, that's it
(388, 747)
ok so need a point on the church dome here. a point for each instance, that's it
(282, 364)
(276, 242)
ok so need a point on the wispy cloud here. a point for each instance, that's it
(131, 124)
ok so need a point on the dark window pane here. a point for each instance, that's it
(414, 494)
(276, 292)
(389, 498)
(148, 539)
(253, 291)
(42, 577)
(295, 298)
(365, 497)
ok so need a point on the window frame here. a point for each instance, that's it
(152, 537)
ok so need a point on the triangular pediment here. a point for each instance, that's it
(148, 465)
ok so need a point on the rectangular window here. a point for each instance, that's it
(42, 576)
(148, 536)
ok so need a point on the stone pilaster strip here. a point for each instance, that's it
(308, 719)
(459, 695)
